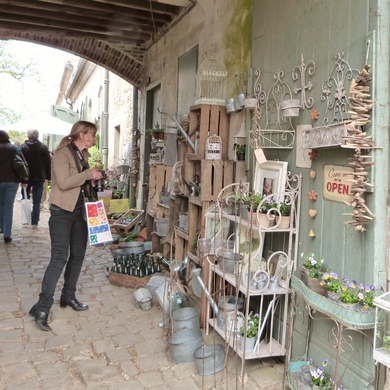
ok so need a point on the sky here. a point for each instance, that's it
(32, 98)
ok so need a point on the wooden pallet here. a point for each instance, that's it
(216, 174)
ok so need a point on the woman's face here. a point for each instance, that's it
(88, 138)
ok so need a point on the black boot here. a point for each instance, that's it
(33, 310)
(41, 320)
(73, 303)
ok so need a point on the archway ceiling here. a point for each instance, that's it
(113, 33)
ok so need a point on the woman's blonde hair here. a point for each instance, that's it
(78, 128)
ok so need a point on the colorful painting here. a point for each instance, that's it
(98, 227)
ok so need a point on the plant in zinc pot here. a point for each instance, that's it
(369, 294)
(332, 284)
(351, 294)
(240, 151)
(249, 332)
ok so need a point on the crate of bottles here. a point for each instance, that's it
(123, 280)
(125, 223)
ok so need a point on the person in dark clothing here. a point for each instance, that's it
(9, 183)
(39, 163)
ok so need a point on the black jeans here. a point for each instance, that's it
(69, 236)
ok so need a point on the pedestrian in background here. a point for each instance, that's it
(68, 228)
(9, 183)
(38, 158)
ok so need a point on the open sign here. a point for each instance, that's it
(337, 186)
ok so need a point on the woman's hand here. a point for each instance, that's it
(97, 175)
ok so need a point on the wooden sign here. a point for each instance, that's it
(336, 184)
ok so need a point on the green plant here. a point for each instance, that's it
(155, 132)
(131, 236)
(256, 200)
(239, 149)
(369, 294)
(351, 292)
(313, 265)
(385, 339)
(268, 204)
(117, 194)
(285, 208)
(95, 160)
(318, 375)
(331, 281)
(253, 326)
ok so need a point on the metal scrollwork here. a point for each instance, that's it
(300, 72)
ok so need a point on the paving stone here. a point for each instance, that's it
(159, 361)
(15, 372)
(42, 356)
(128, 368)
(25, 384)
(13, 357)
(150, 379)
(100, 376)
(77, 352)
(131, 384)
(58, 342)
(100, 346)
(147, 348)
(126, 339)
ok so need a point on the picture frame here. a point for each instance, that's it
(270, 177)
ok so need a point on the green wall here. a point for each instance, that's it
(318, 30)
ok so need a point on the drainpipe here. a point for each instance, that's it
(104, 133)
(135, 139)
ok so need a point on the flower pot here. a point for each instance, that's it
(250, 103)
(350, 306)
(315, 285)
(250, 343)
(264, 220)
(333, 296)
(283, 222)
(305, 374)
(240, 156)
(290, 107)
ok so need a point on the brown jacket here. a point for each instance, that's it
(66, 179)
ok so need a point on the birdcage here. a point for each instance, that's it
(211, 80)
(213, 148)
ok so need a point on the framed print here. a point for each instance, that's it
(270, 177)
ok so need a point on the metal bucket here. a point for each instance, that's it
(145, 303)
(210, 359)
(119, 252)
(135, 247)
(226, 305)
(186, 318)
(229, 259)
(183, 344)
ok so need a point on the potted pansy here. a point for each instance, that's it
(312, 272)
(266, 217)
(351, 294)
(319, 378)
(249, 332)
(283, 220)
(333, 285)
(369, 294)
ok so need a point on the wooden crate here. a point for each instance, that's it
(159, 177)
(123, 228)
(209, 120)
(216, 174)
(123, 280)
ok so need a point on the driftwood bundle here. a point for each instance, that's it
(360, 105)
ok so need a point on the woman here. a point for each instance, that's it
(9, 183)
(68, 229)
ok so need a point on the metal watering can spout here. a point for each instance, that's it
(196, 273)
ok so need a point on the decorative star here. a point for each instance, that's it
(314, 115)
(312, 195)
(313, 154)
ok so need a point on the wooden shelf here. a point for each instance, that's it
(195, 200)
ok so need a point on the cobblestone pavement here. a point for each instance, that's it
(113, 345)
